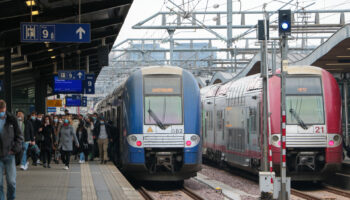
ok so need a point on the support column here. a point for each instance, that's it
(8, 79)
(40, 94)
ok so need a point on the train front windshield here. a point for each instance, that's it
(162, 100)
(304, 101)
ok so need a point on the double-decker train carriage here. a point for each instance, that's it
(232, 122)
(157, 111)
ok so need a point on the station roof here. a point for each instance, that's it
(29, 60)
(333, 55)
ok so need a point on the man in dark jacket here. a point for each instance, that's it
(11, 143)
(103, 135)
(26, 128)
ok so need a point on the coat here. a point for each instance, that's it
(83, 140)
(48, 134)
(28, 131)
(97, 129)
(11, 138)
(66, 137)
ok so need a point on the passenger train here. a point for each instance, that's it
(232, 123)
(157, 112)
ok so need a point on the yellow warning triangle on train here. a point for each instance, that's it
(149, 130)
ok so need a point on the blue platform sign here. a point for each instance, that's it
(90, 84)
(49, 32)
(71, 75)
(51, 109)
(74, 100)
(84, 101)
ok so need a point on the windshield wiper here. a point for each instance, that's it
(299, 120)
(156, 119)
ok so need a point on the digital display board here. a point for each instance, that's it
(67, 86)
(71, 101)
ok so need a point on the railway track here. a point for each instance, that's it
(333, 193)
(183, 193)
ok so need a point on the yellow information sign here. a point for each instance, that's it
(54, 103)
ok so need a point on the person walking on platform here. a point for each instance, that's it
(66, 137)
(57, 126)
(38, 138)
(11, 143)
(83, 141)
(102, 134)
(47, 133)
(28, 133)
(89, 126)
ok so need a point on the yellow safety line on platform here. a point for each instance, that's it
(87, 184)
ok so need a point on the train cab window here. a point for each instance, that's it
(304, 101)
(163, 99)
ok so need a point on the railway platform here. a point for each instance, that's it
(88, 181)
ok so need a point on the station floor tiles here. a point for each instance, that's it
(89, 181)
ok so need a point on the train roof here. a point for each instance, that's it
(252, 82)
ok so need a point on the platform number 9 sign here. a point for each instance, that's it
(45, 33)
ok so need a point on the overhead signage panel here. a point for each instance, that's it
(61, 32)
(71, 75)
(54, 103)
(90, 84)
(67, 86)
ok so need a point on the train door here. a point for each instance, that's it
(252, 123)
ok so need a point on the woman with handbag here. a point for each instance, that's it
(82, 136)
(47, 133)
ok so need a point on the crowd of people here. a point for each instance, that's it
(57, 137)
(42, 137)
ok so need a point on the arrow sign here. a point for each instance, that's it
(80, 31)
(60, 32)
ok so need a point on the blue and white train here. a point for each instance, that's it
(157, 114)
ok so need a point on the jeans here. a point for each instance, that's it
(82, 156)
(25, 149)
(8, 164)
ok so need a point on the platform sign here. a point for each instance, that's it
(54, 103)
(71, 75)
(90, 84)
(61, 32)
(51, 109)
(74, 100)
(84, 101)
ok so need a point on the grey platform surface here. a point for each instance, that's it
(89, 181)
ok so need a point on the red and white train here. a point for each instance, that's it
(232, 122)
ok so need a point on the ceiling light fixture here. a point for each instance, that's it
(53, 57)
(337, 64)
(35, 12)
(343, 56)
(30, 3)
(49, 50)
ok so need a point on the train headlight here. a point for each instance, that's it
(275, 138)
(333, 140)
(133, 138)
(191, 140)
(194, 138)
(336, 138)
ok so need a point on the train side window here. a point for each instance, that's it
(219, 120)
(210, 119)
